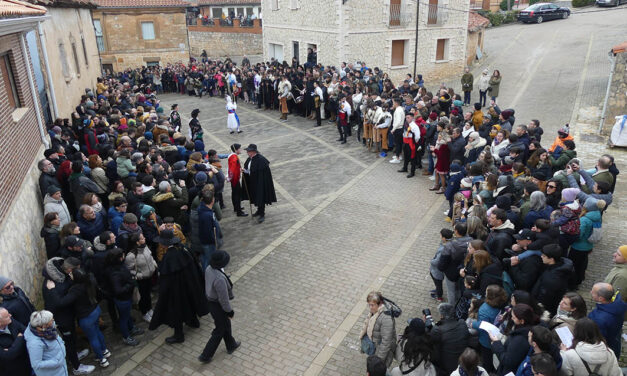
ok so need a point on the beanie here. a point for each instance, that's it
(146, 210)
(148, 135)
(130, 218)
(622, 249)
(200, 177)
(569, 194)
(433, 116)
(3, 281)
(52, 189)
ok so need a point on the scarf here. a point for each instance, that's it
(97, 207)
(50, 334)
(371, 320)
(563, 314)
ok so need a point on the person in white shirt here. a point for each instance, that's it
(397, 129)
(411, 138)
(318, 95)
(383, 127)
(344, 113)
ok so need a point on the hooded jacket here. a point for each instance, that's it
(167, 205)
(587, 223)
(18, 305)
(599, 357)
(609, 317)
(499, 239)
(552, 284)
(57, 206)
(55, 299)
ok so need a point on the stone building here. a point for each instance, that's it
(22, 142)
(217, 8)
(134, 33)
(68, 48)
(476, 31)
(381, 34)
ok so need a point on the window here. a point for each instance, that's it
(294, 4)
(84, 50)
(240, 11)
(8, 80)
(75, 55)
(99, 37)
(152, 63)
(395, 12)
(274, 4)
(107, 69)
(441, 52)
(216, 12)
(432, 17)
(65, 66)
(276, 51)
(231, 12)
(148, 31)
(250, 11)
(398, 52)
(295, 46)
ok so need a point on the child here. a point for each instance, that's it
(470, 292)
(459, 208)
(438, 276)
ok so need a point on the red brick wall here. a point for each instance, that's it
(19, 142)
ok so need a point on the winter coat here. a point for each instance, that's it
(553, 284)
(526, 272)
(93, 228)
(115, 220)
(609, 317)
(499, 239)
(82, 303)
(52, 241)
(141, 265)
(47, 357)
(57, 206)
(587, 223)
(452, 257)
(450, 339)
(452, 185)
(13, 353)
(456, 149)
(18, 305)
(491, 275)
(495, 82)
(208, 227)
(561, 162)
(513, 352)
(524, 369)
(467, 80)
(55, 299)
(120, 282)
(46, 180)
(486, 313)
(80, 185)
(484, 82)
(167, 205)
(617, 277)
(496, 149)
(219, 289)
(533, 215)
(124, 167)
(599, 357)
(99, 176)
(383, 334)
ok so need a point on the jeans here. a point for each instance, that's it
(439, 291)
(90, 327)
(431, 163)
(466, 97)
(126, 322)
(482, 98)
(207, 251)
(452, 292)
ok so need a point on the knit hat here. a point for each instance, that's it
(130, 218)
(466, 183)
(455, 167)
(592, 204)
(146, 210)
(159, 110)
(4, 280)
(433, 116)
(564, 131)
(148, 135)
(200, 177)
(503, 202)
(569, 194)
(52, 189)
(622, 249)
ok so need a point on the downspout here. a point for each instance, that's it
(612, 58)
(44, 50)
(33, 90)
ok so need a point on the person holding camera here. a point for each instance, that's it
(414, 351)
(450, 337)
(379, 330)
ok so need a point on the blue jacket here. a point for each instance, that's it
(532, 215)
(452, 185)
(586, 224)
(91, 229)
(47, 357)
(609, 317)
(115, 219)
(486, 313)
(207, 222)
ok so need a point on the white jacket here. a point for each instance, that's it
(484, 82)
(598, 355)
(399, 118)
(53, 206)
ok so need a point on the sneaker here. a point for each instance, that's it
(147, 317)
(83, 369)
(104, 363)
(130, 341)
(82, 354)
(383, 154)
(448, 219)
(395, 160)
(137, 331)
(446, 212)
(432, 178)
(106, 354)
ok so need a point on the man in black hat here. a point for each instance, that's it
(175, 118)
(258, 181)
(180, 289)
(194, 124)
(234, 176)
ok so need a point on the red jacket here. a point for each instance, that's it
(235, 169)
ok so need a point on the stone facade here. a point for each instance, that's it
(124, 46)
(617, 101)
(69, 30)
(219, 44)
(348, 32)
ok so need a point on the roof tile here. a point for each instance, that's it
(10, 8)
(142, 3)
(476, 21)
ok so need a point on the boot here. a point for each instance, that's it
(426, 173)
(434, 188)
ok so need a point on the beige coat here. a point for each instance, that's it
(381, 329)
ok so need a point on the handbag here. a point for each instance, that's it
(367, 346)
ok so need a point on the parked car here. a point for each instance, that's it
(543, 12)
(615, 3)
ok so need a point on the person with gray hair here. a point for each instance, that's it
(538, 209)
(608, 314)
(450, 337)
(172, 204)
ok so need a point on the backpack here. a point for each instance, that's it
(571, 227)
(508, 283)
(597, 233)
(392, 308)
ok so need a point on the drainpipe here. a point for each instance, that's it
(612, 57)
(53, 97)
(33, 89)
(416, 43)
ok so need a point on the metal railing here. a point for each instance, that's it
(476, 4)
(436, 15)
(399, 16)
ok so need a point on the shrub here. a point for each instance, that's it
(531, 2)
(580, 3)
(496, 19)
(503, 4)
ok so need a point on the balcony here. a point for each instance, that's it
(436, 15)
(227, 25)
(399, 15)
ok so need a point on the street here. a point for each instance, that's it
(347, 223)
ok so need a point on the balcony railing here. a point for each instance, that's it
(476, 4)
(399, 16)
(436, 15)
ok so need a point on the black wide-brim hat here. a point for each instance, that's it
(251, 147)
(219, 259)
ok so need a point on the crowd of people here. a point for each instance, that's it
(131, 205)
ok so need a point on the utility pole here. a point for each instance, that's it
(416, 42)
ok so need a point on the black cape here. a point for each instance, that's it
(181, 290)
(259, 188)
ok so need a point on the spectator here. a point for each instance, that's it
(47, 178)
(543, 365)
(538, 209)
(45, 348)
(51, 232)
(617, 277)
(608, 314)
(53, 203)
(436, 275)
(91, 223)
(452, 256)
(169, 204)
(516, 347)
(116, 214)
(375, 366)
(589, 352)
(469, 364)
(495, 299)
(450, 337)
(13, 354)
(540, 342)
(590, 225)
(142, 266)
(379, 328)
(501, 235)
(15, 301)
(414, 352)
(572, 307)
(553, 281)
(81, 184)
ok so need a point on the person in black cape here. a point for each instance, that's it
(181, 298)
(258, 185)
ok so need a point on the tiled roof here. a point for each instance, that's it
(142, 3)
(620, 48)
(65, 3)
(11, 8)
(228, 2)
(476, 21)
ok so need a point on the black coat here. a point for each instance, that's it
(259, 188)
(121, 282)
(491, 275)
(181, 290)
(13, 353)
(18, 305)
(56, 299)
(456, 149)
(46, 180)
(498, 241)
(526, 272)
(550, 236)
(451, 339)
(513, 352)
(452, 257)
(552, 284)
(82, 303)
(52, 241)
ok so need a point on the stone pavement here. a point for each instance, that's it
(347, 223)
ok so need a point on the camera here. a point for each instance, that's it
(428, 318)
